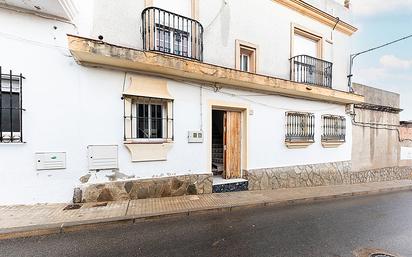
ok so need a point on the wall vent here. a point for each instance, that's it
(103, 157)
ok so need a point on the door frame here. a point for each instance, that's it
(229, 106)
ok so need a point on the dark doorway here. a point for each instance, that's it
(218, 142)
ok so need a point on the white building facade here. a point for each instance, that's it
(135, 99)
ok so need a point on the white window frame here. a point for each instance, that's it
(243, 48)
(244, 57)
(173, 35)
(162, 43)
(131, 131)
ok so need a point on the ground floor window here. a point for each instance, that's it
(148, 119)
(334, 128)
(11, 108)
(300, 127)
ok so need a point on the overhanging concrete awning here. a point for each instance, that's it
(92, 52)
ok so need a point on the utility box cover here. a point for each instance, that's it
(50, 161)
(195, 137)
(102, 157)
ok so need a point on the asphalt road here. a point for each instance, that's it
(333, 228)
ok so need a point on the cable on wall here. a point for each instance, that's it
(216, 89)
(377, 127)
(37, 43)
(224, 4)
(201, 108)
(10, 8)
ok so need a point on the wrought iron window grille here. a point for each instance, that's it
(300, 127)
(148, 119)
(11, 110)
(334, 128)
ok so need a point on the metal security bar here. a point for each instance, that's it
(148, 119)
(334, 128)
(310, 70)
(300, 127)
(172, 33)
(11, 102)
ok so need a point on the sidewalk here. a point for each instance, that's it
(43, 219)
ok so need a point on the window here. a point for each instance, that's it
(149, 119)
(181, 43)
(10, 108)
(334, 128)
(163, 40)
(246, 56)
(244, 62)
(306, 43)
(307, 64)
(172, 33)
(300, 127)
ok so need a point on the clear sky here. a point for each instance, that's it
(389, 68)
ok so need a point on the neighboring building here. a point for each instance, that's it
(406, 143)
(376, 147)
(152, 98)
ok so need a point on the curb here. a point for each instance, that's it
(75, 226)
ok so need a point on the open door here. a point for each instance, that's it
(232, 144)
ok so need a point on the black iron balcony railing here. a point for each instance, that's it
(310, 70)
(172, 33)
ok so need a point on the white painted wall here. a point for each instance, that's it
(268, 25)
(69, 107)
(262, 22)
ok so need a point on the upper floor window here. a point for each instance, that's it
(163, 40)
(172, 33)
(11, 108)
(306, 43)
(300, 127)
(181, 43)
(245, 62)
(246, 56)
(306, 64)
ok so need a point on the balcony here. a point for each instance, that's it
(95, 53)
(309, 70)
(171, 33)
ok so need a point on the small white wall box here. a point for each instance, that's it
(195, 136)
(102, 157)
(50, 161)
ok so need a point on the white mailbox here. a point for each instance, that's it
(102, 157)
(50, 161)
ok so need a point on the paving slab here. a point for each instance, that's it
(43, 219)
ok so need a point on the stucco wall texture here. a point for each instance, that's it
(375, 133)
